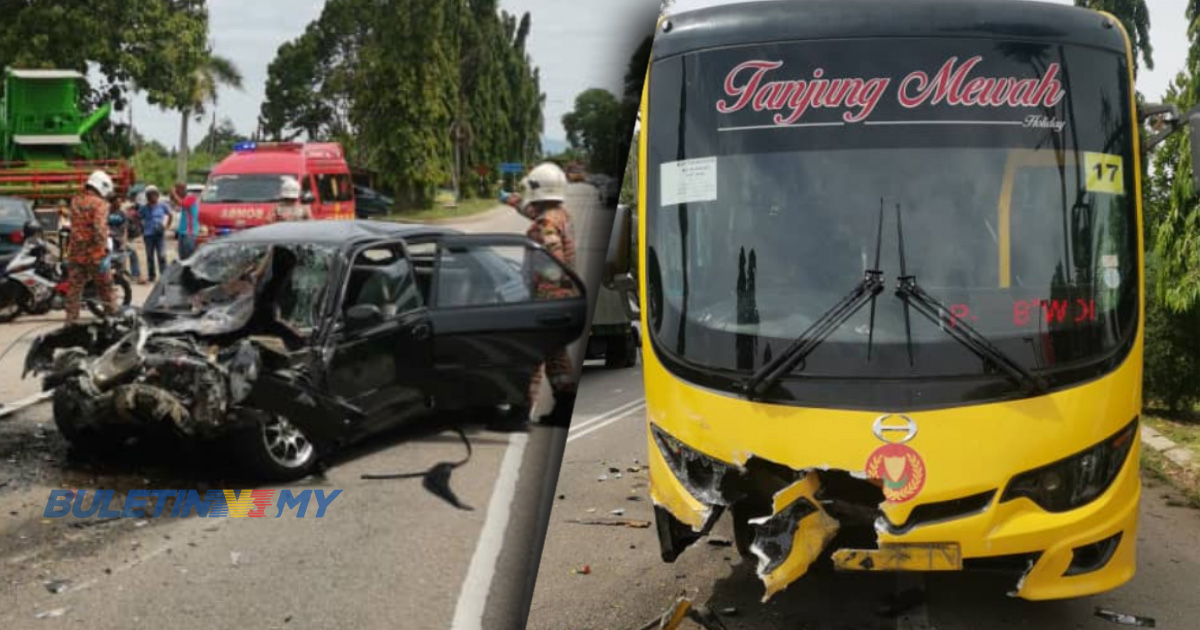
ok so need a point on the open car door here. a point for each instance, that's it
(500, 305)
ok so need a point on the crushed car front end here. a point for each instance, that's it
(224, 347)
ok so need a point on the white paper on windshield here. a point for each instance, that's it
(689, 181)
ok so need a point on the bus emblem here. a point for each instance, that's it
(880, 428)
(896, 464)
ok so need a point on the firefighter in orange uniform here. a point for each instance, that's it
(87, 251)
(545, 190)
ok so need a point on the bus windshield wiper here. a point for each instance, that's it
(865, 291)
(913, 295)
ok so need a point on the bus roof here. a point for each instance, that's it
(772, 21)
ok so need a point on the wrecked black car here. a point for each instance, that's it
(292, 339)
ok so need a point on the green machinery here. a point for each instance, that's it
(43, 154)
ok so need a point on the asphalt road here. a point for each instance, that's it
(627, 585)
(386, 554)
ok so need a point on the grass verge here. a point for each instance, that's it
(1186, 481)
(1185, 434)
(468, 208)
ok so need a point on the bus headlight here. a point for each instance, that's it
(708, 480)
(1077, 480)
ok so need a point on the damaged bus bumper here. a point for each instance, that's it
(790, 516)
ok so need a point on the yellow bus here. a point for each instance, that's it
(890, 273)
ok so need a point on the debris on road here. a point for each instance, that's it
(50, 614)
(437, 479)
(612, 522)
(618, 512)
(683, 610)
(1124, 619)
(57, 586)
(584, 570)
(235, 558)
(718, 541)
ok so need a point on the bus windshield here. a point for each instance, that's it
(1009, 164)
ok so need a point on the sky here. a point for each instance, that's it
(578, 44)
(1168, 36)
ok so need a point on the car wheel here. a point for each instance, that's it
(276, 449)
(73, 404)
(621, 352)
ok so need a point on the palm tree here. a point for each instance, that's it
(213, 72)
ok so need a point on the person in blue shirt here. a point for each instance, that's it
(156, 220)
(189, 226)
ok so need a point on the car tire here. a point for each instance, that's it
(71, 404)
(622, 352)
(274, 449)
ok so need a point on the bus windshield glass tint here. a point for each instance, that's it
(1010, 164)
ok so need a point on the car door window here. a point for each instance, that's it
(483, 275)
(334, 187)
(383, 276)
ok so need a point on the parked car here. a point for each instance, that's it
(14, 214)
(370, 203)
(292, 339)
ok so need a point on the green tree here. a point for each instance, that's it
(135, 44)
(219, 140)
(1174, 222)
(1135, 17)
(308, 82)
(198, 90)
(390, 78)
(597, 126)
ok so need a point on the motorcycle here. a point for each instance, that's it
(34, 281)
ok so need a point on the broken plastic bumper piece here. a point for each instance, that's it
(789, 540)
(901, 557)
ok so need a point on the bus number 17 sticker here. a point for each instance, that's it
(1105, 173)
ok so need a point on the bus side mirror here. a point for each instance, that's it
(1194, 136)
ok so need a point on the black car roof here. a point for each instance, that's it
(791, 20)
(334, 232)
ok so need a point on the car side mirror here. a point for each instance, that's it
(619, 260)
(308, 197)
(362, 316)
(618, 268)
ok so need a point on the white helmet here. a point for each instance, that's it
(290, 188)
(546, 182)
(100, 182)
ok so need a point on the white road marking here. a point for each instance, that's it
(472, 598)
(13, 407)
(620, 409)
(596, 427)
(120, 569)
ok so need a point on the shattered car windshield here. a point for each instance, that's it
(229, 276)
